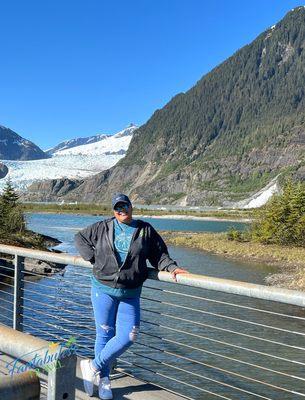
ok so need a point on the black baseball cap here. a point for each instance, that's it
(120, 198)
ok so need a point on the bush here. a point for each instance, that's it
(238, 236)
(234, 234)
(282, 219)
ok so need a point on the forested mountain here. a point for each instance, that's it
(241, 125)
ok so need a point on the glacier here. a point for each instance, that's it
(75, 163)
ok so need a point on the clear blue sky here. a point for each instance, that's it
(74, 68)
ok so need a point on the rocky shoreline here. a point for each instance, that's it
(33, 268)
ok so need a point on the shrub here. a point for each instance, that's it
(234, 234)
(282, 219)
(238, 236)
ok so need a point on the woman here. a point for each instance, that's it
(118, 248)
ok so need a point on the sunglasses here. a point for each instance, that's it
(121, 207)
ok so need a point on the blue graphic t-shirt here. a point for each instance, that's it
(122, 238)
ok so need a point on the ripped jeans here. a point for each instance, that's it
(117, 322)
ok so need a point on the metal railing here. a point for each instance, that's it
(201, 336)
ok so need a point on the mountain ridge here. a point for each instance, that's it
(15, 147)
(81, 141)
(67, 144)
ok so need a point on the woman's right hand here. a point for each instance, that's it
(178, 271)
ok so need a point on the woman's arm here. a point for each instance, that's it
(85, 241)
(159, 257)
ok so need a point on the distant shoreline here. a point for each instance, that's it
(230, 215)
(192, 217)
(166, 216)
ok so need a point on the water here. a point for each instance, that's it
(64, 226)
(58, 223)
(199, 352)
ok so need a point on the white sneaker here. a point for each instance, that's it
(89, 376)
(104, 388)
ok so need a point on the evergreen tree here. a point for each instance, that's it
(282, 220)
(11, 214)
(9, 196)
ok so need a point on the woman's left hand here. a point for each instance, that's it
(178, 271)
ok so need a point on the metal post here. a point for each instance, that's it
(18, 293)
(61, 379)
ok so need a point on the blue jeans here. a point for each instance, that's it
(117, 322)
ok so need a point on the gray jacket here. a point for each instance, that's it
(95, 244)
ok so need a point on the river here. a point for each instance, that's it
(204, 348)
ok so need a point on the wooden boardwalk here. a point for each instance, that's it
(123, 386)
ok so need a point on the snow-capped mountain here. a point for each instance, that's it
(107, 144)
(78, 142)
(15, 147)
(71, 162)
(68, 144)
